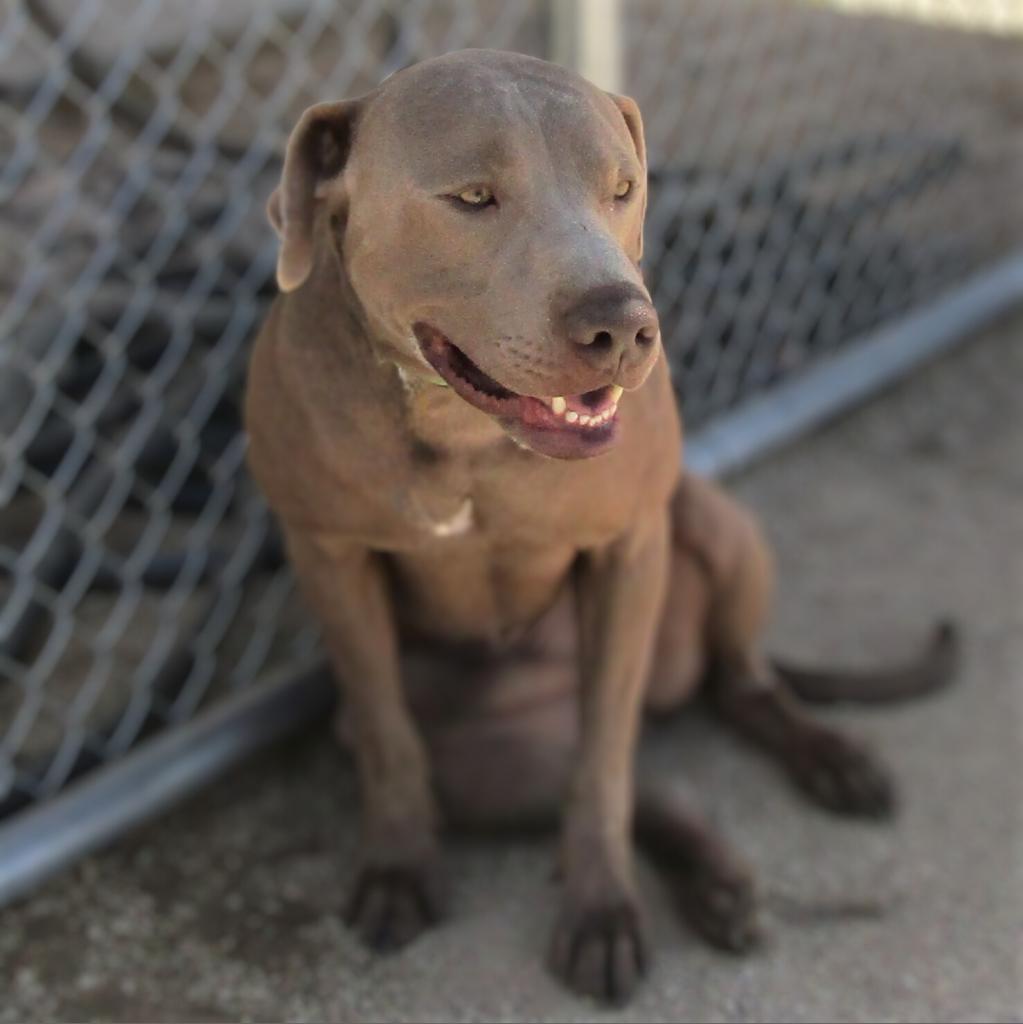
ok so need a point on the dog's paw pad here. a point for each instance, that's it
(390, 906)
(844, 777)
(600, 951)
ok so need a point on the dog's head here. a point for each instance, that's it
(487, 209)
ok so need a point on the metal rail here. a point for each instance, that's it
(39, 842)
(864, 367)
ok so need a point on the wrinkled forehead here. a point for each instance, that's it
(463, 122)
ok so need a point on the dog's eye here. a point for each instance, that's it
(623, 188)
(476, 196)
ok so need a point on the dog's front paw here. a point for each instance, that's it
(600, 951)
(391, 904)
(842, 775)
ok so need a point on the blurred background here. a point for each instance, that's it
(836, 196)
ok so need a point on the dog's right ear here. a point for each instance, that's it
(316, 153)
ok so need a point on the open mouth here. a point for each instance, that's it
(563, 426)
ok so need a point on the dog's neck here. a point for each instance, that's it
(437, 417)
(412, 440)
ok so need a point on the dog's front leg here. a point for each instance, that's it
(599, 946)
(397, 890)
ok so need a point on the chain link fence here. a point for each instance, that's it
(818, 176)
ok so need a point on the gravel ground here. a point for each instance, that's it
(227, 909)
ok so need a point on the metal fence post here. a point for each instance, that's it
(586, 35)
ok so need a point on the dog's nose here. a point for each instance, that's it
(613, 327)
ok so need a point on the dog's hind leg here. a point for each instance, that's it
(713, 887)
(504, 763)
(511, 773)
(834, 770)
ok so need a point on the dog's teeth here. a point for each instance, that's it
(559, 405)
(584, 420)
(616, 393)
(572, 417)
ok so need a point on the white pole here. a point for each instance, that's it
(587, 37)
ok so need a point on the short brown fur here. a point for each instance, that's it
(499, 619)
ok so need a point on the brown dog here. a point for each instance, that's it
(460, 411)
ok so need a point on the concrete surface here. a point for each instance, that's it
(227, 908)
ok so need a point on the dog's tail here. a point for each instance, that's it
(930, 671)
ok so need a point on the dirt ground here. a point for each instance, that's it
(227, 909)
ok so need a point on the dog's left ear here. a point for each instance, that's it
(634, 122)
(317, 151)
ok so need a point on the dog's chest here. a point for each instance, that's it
(488, 545)
(506, 505)
(464, 582)
(488, 537)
